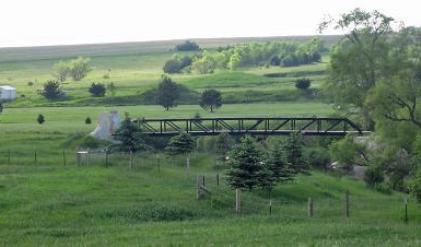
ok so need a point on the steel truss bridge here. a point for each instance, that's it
(309, 126)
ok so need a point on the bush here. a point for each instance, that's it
(303, 84)
(52, 90)
(180, 144)
(415, 186)
(187, 46)
(40, 119)
(373, 176)
(383, 188)
(97, 89)
(172, 66)
(88, 120)
(317, 157)
(111, 88)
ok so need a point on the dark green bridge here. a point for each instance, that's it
(312, 126)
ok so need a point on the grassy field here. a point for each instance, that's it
(149, 206)
(47, 200)
(134, 73)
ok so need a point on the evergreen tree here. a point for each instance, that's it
(40, 119)
(167, 93)
(88, 120)
(293, 153)
(281, 170)
(180, 144)
(130, 137)
(246, 167)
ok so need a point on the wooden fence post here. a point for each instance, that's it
(203, 181)
(347, 203)
(106, 158)
(237, 200)
(217, 179)
(310, 207)
(405, 216)
(198, 190)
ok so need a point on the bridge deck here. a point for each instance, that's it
(253, 126)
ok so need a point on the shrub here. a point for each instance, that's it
(187, 46)
(79, 68)
(303, 84)
(52, 90)
(40, 119)
(88, 120)
(373, 176)
(97, 89)
(172, 66)
(180, 144)
(317, 157)
(415, 186)
(167, 93)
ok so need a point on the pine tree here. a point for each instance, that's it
(180, 144)
(130, 137)
(293, 153)
(40, 119)
(246, 167)
(281, 170)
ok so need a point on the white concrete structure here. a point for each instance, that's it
(7, 93)
(108, 123)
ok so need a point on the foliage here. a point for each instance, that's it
(182, 143)
(176, 65)
(415, 186)
(188, 45)
(88, 120)
(373, 176)
(317, 157)
(246, 165)
(61, 71)
(52, 90)
(303, 83)
(167, 93)
(223, 145)
(292, 147)
(277, 164)
(257, 54)
(210, 99)
(97, 89)
(359, 57)
(346, 152)
(130, 137)
(79, 68)
(40, 119)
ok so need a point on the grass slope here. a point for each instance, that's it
(66, 206)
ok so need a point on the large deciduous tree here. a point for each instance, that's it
(211, 99)
(167, 93)
(357, 61)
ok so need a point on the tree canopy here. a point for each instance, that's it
(167, 93)
(211, 99)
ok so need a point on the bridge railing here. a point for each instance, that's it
(249, 125)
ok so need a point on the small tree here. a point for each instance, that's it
(79, 68)
(61, 70)
(345, 152)
(172, 66)
(210, 99)
(52, 90)
(97, 89)
(40, 119)
(293, 153)
(130, 137)
(182, 143)
(276, 163)
(167, 93)
(111, 88)
(88, 120)
(187, 46)
(303, 84)
(246, 165)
